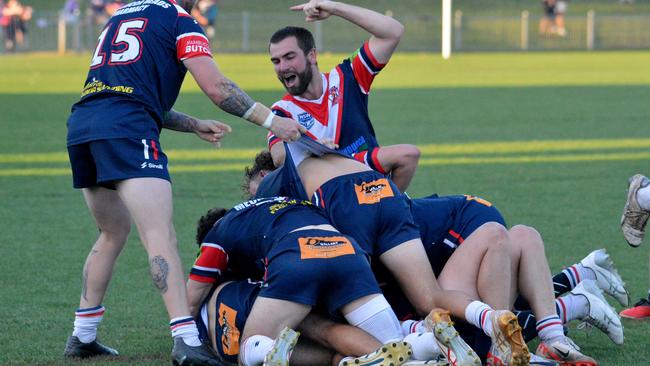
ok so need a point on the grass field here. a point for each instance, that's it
(549, 138)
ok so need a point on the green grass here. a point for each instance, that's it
(508, 98)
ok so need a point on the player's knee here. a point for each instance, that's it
(496, 236)
(526, 237)
(116, 234)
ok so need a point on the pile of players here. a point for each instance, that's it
(330, 245)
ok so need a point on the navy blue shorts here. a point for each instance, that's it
(318, 267)
(103, 162)
(468, 214)
(233, 304)
(369, 207)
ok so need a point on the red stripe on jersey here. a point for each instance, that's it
(320, 111)
(457, 236)
(361, 156)
(375, 63)
(375, 160)
(155, 149)
(320, 195)
(341, 91)
(362, 74)
(192, 45)
(212, 257)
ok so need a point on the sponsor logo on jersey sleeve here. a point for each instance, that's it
(372, 192)
(324, 247)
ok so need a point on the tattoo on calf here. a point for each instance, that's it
(235, 101)
(159, 271)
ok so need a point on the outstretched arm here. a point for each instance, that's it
(386, 32)
(230, 98)
(208, 130)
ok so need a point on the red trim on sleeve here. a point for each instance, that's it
(191, 45)
(204, 279)
(375, 63)
(375, 161)
(212, 256)
(341, 91)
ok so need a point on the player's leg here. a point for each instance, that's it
(480, 266)
(113, 223)
(149, 201)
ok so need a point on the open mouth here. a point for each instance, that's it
(290, 79)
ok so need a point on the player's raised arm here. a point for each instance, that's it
(386, 31)
(230, 98)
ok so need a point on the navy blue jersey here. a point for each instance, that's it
(341, 113)
(136, 72)
(241, 241)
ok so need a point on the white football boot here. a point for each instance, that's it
(607, 276)
(601, 315)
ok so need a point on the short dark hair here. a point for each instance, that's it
(263, 161)
(206, 223)
(303, 36)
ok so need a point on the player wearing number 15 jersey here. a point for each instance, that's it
(136, 72)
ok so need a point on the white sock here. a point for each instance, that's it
(478, 314)
(643, 198)
(254, 349)
(412, 326)
(423, 345)
(377, 318)
(550, 329)
(571, 307)
(86, 322)
(185, 327)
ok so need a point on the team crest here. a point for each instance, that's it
(229, 332)
(373, 192)
(306, 120)
(334, 95)
(324, 247)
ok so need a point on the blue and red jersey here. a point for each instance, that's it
(136, 72)
(240, 241)
(341, 113)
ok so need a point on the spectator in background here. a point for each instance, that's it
(552, 21)
(15, 15)
(205, 12)
(97, 11)
(112, 7)
(71, 11)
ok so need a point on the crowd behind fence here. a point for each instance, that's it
(249, 32)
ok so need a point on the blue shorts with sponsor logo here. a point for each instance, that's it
(369, 207)
(445, 222)
(233, 304)
(103, 162)
(318, 267)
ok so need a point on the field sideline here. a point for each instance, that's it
(549, 138)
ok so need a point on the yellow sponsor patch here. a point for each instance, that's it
(229, 332)
(324, 247)
(372, 192)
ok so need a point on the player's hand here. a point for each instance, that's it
(286, 129)
(329, 143)
(316, 9)
(211, 131)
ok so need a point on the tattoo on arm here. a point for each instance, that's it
(235, 101)
(159, 271)
(178, 121)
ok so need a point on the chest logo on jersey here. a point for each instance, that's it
(229, 332)
(324, 247)
(334, 95)
(306, 119)
(372, 192)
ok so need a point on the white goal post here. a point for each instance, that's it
(446, 29)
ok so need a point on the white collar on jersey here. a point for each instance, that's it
(320, 99)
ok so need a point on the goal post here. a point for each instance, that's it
(446, 29)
